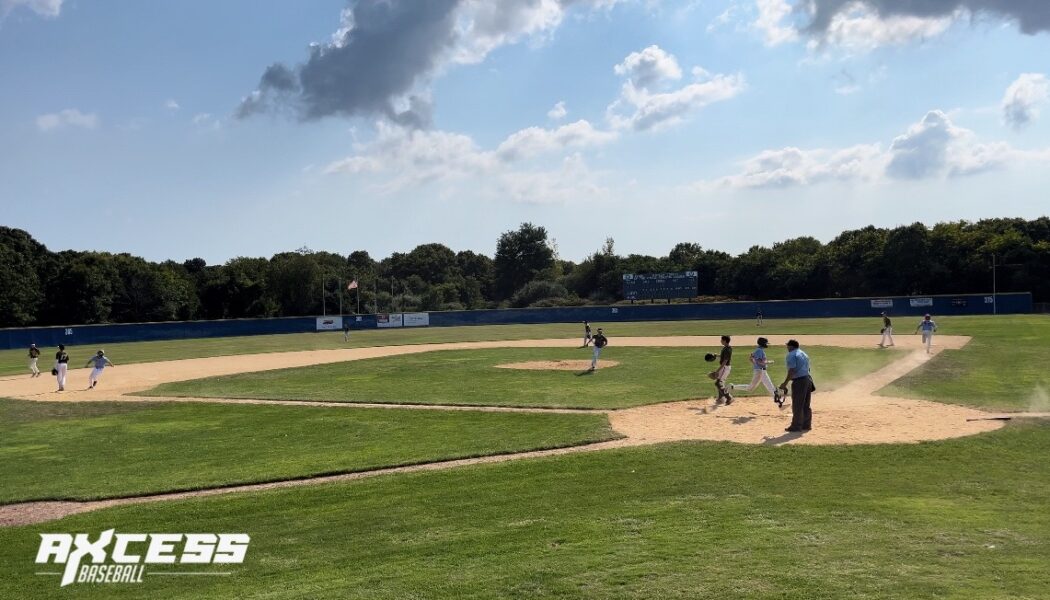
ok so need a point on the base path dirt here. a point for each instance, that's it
(851, 414)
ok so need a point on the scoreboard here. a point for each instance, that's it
(660, 285)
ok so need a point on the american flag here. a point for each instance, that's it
(352, 285)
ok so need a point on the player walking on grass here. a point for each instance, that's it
(101, 362)
(758, 317)
(759, 375)
(802, 388)
(34, 356)
(600, 341)
(725, 359)
(61, 366)
(587, 338)
(887, 331)
(928, 326)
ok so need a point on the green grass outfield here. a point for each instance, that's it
(963, 518)
(92, 450)
(470, 377)
(13, 362)
(1003, 368)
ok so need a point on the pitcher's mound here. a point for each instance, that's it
(558, 365)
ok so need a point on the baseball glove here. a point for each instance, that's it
(713, 374)
(54, 371)
(883, 330)
(710, 357)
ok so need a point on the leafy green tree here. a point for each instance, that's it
(520, 256)
(21, 294)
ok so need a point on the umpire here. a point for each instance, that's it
(802, 388)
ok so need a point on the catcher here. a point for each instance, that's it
(719, 375)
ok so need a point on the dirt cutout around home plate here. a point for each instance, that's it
(849, 414)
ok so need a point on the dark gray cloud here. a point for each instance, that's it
(391, 46)
(1032, 16)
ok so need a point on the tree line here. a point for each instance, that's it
(41, 287)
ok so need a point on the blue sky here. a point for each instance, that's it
(212, 129)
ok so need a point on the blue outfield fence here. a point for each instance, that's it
(895, 306)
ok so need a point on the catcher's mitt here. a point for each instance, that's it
(710, 357)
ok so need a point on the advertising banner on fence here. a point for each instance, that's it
(329, 323)
(388, 320)
(882, 303)
(417, 319)
(919, 302)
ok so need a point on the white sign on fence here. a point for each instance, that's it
(882, 303)
(391, 320)
(417, 319)
(918, 302)
(329, 323)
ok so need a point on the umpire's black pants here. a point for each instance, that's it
(801, 393)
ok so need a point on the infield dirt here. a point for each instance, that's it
(850, 414)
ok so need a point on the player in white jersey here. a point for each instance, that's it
(928, 326)
(759, 375)
(101, 362)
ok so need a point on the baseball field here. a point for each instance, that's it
(488, 462)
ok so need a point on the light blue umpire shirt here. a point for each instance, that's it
(799, 361)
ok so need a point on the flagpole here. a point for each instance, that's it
(375, 299)
(323, 313)
(339, 283)
(359, 298)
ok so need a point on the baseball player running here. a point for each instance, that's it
(587, 337)
(759, 374)
(887, 331)
(101, 362)
(600, 341)
(928, 326)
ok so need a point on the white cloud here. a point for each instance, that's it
(1023, 98)
(640, 107)
(44, 8)
(770, 22)
(400, 158)
(171, 104)
(930, 149)
(649, 67)
(69, 117)
(206, 121)
(558, 112)
(790, 167)
(532, 141)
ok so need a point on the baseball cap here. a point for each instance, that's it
(792, 344)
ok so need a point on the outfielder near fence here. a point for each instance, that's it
(896, 306)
